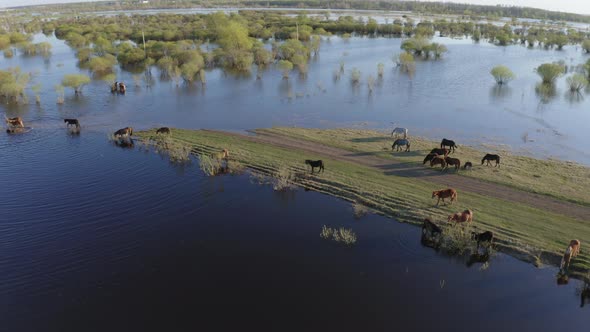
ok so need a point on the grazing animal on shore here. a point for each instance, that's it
(447, 142)
(465, 216)
(15, 122)
(453, 161)
(445, 193)
(398, 143)
(127, 131)
(72, 122)
(438, 160)
(486, 236)
(429, 157)
(468, 165)
(491, 157)
(224, 154)
(314, 164)
(400, 131)
(163, 130)
(572, 250)
(442, 152)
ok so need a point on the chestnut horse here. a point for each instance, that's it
(445, 193)
(224, 154)
(572, 250)
(438, 160)
(465, 216)
(453, 161)
(15, 122)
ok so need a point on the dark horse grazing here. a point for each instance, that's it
(314, 164)
(127, 131)
(429, 157)
(453, 161)
(163, 130)
(447, 142)
(438, 160)
(401, 142)
(491, 157)
(486, 236)
(72, 122)
(442, 152)
(467, 165)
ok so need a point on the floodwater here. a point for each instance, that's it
(454, 97)
(94, 237)
(98, 238)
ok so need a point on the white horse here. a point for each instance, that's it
(400, 131)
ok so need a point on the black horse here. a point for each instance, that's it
(314, 164)
(441, 151)
(467, 165)
(491, 157)
(72, 122)
(429, 157)
(486, 236)
(163, 130)
(447, 142)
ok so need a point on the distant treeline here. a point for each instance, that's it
(413, 6)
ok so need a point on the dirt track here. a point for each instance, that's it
(441, 180)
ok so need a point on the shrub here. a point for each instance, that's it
(340, 235)
(283, 179)
(285, 66)
(586, 45)
(502, 74)
(549, 72)
(380, 70)
(355, 76)
(75, 81)
(576, 82)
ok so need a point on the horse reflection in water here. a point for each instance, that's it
(431, 234)
(124, 143)
(478, 258)
(585, 294)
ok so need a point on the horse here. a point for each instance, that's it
(127, 131)
(115, 87)
(314, 164)
(442, 151)
(453, 161)
(163, 130)
(468, 165)
(491, 157)
(400, 131)
(465, 216)
(15, 122)
(429, 157)
(447, 142)
(486, 236)
(122, 87)
(572, 250)
(438, 160)
(445, 193)
(429, 227)
(401, 142)
(72, 122)
(584, 294)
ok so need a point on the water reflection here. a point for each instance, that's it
(574, 97)
(499, 91)
(545, 92)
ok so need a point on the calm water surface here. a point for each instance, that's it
(454, 97)
(94, 237)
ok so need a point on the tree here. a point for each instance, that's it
(549, 72)
(188, 71)
(417, 45)
(502, 74)
(576, 82)
(586, 45)
(286, 66)
(75, 81)
(438, 49)
(103, 64)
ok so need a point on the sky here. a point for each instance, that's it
(571, 6)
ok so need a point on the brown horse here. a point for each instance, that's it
(224, 154)
(442, 151)
(122, 87)
(429, 157)
(127, 131)
(465, 216)
(15, 122)
(438, 160)
(453, 161)
(572, 250)
(445, 193)
(163, 130)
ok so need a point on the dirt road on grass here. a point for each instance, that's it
(440, 180)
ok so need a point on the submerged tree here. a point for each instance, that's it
(75, 81)
(286, 66)
(502, 74)
(586, 45)
(380, 69)
(576, 82)
(549, 72)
